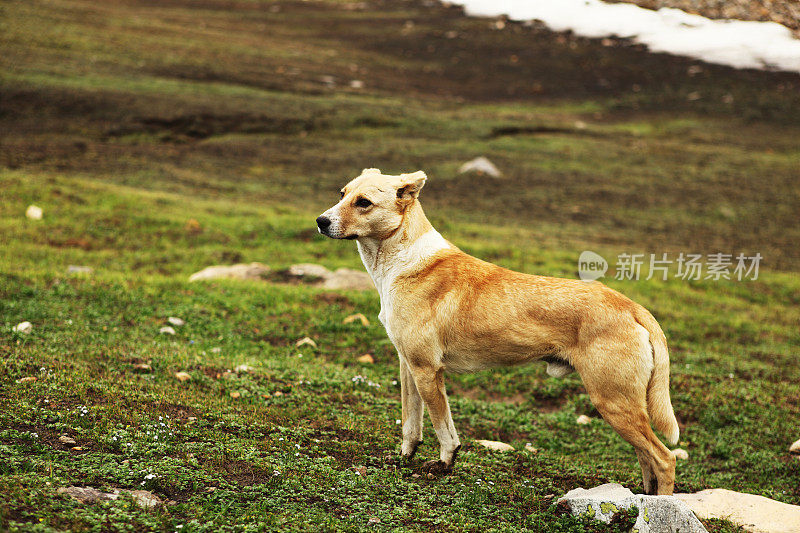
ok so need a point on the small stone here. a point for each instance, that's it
(210, 489)
(23, 327)
(192, 419)
(358, 316)
(142, 367)
(529, 448)
(144, 499)
(244, 369)
(496, 445)
(367, 359)
(236, 395)
(415, 476)
(306, 340)
(356, 84)
(34, 212)
(680, 454)
(167, 330)
(175, 321)
(77, 448)
(76, 269)
(480, 165)
(27, 379)
(583, 420)
(374, 520)
(183, 376)
(66, 440)
(794, 449)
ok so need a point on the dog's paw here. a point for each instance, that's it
(437, 467)
(407, 457)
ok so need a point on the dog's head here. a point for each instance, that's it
(372, 205)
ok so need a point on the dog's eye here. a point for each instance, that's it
(363, 202)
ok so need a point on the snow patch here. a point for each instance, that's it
(736, 43)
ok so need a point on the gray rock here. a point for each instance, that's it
(657, 514)
(88, 495)
(309, 270)
(349, 279)
(240, 271)
(343, 278)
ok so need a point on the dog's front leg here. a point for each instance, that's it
(429, 380)
(413, 411)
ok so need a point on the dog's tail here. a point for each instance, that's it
(659, 405)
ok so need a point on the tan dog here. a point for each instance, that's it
(446, 310)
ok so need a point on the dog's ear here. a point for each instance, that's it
(410, 185)
(370, 171)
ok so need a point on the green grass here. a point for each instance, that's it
(124, 121)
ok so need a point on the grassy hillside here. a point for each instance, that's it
(123, 120)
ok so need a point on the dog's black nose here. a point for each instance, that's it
(323, 223)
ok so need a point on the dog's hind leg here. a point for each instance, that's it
(429, 380)
(413, 411)
(619, 394)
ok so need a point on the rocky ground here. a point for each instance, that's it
(786, 12)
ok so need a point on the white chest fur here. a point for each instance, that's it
(385, 263)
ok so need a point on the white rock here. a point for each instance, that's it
(583, 420)
(358, 316)
(66, 440)
(356, 84)
(167, 330)
(243, 369)
(34, 212)
(306, 340)
(175, 321)
(183, 376)
(680, 454)
(481, 165)
(794, 449)
(530, 448)
(23, 327)
(143, 498)
(657, 514)
(240, 271)
(76, 269)
(496, 445)
(752, 512)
